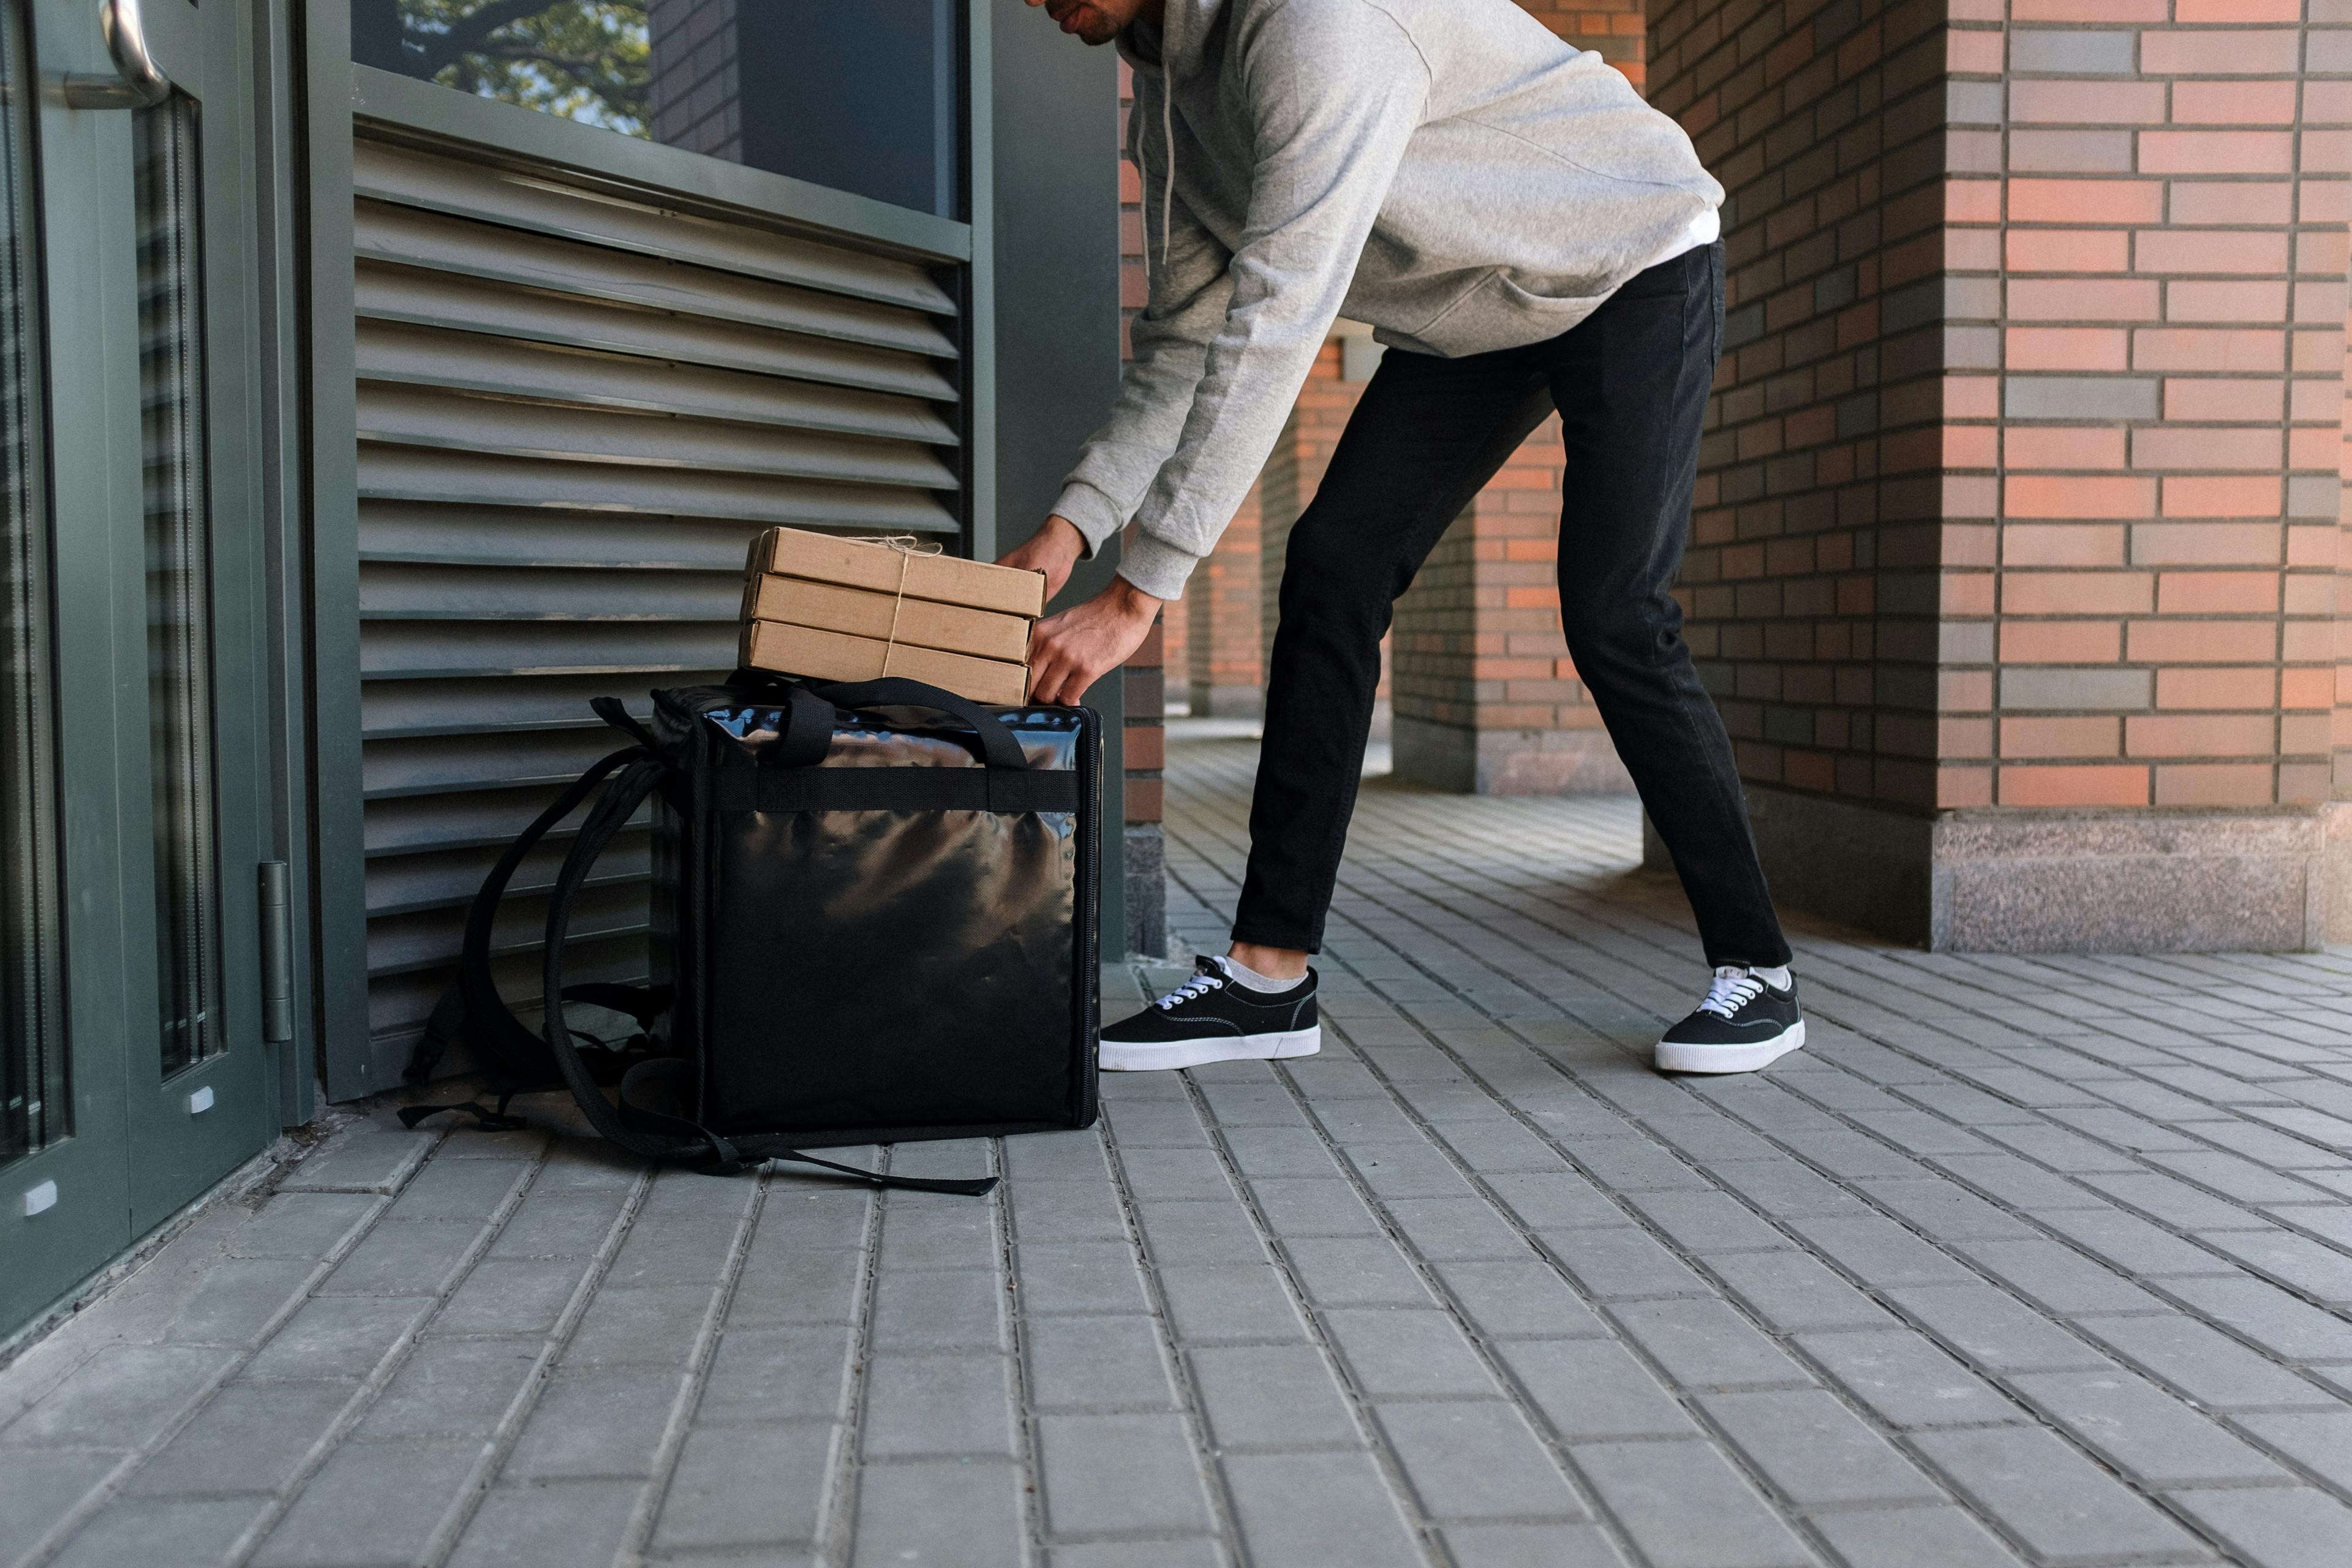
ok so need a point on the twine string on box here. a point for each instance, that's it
(908, 547)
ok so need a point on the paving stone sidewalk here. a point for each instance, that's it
(2025, 1259)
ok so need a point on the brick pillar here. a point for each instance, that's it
(1224, 665)
(1487, 702)
(2020, 505)
(1296, 467)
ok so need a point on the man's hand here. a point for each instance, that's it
(1053, 549)
(1071, 651)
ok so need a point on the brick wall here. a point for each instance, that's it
(1613, 29)
(1486, 699)
(692, 100)
(2015, 555)
(1811, 581)
(1224, 666)
(1295, 469)
(2145, 577)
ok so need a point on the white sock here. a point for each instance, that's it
(1777, 979)
(1243, 975)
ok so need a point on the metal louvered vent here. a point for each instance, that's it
(573, 413)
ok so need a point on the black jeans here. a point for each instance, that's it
(1631, 384)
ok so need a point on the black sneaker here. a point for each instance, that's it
(1211, 1017)
(1745, 1023)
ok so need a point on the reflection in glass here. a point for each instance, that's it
(32, 1090)
(861, 95)
(179, 578)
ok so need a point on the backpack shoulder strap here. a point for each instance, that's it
(511, 1056)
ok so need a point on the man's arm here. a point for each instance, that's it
(1336, 91)
(1169, 342)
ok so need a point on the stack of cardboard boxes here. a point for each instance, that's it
(829, 608)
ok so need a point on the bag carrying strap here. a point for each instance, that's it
(640, 1125)
(512, 1058)
(807, 732)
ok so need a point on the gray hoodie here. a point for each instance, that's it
(1445, 170)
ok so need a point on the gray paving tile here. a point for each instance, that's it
(1272, 1396)
(937, 1403)
(2063, 1507)
(2318, 1440)
(1526, 1299)
(1079, 1277)
(1475, 1459)
(1343, 1272)
(404, 1258)
(45, 1485)
(1794, 1290)
(1993, 1331)
(1622, 1265)
(1814, 1450)
(1531, 1546)
(450, 1388)
(2299, 1528)
(1908, 1381)
(1104, 1474)
(180, 1530)
(1592, 1389)
(2205, 1363)
(1703, 1343)
(594, 1421)
(1685, 1507)
(1917, 1538)
(739, 1487)
(372, 1503)
(968, 1514)
(960, 1309)
(1308, 1510)
(1223, 1305)
(552, 1524)
(1405, 1352)
(303, 1227)
(1097, 1363)
(2142, 1430)
(249, 1437)
(799, 1373)
(120, 1398)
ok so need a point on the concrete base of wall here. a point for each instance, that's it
(2060, 881)
(1507, 762)
(1228, 701)
(1147, 892)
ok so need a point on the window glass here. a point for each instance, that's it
(179, 578)
(860, 95)
(33, 1088)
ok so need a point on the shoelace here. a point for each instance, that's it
(1732, 989)
(1200, 985)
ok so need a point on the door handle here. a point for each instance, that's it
(138, 81)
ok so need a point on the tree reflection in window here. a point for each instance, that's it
(580, 59)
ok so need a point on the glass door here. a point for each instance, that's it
(131, 811)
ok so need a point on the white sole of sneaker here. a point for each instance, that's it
(1729, 1059)
(1117, 1058)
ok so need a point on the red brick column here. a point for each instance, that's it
(2020, 515)
(1486, 700)
(1224, 664)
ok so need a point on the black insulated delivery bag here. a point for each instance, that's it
(874, 910)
